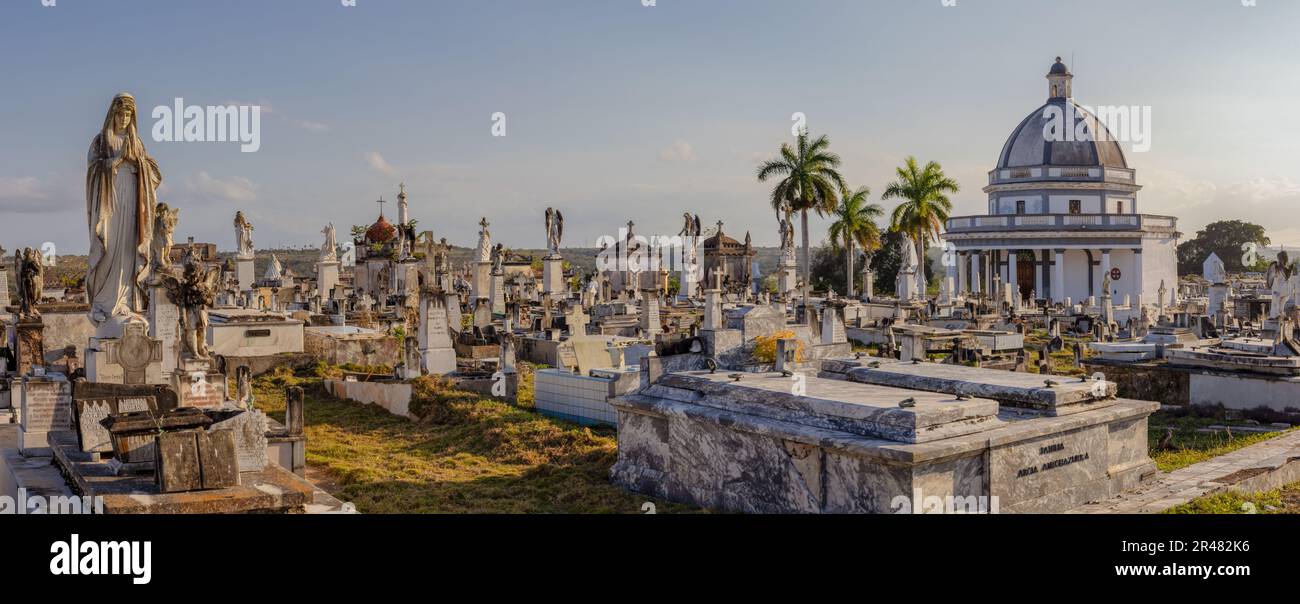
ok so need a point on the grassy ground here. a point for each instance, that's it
(1285, 500)
(1188, 446)
(468, 454)
(1060, 362)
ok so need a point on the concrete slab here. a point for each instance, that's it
(1064, 395)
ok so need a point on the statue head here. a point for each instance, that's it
(122, 113)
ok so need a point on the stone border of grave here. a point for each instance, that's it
(1260, 467)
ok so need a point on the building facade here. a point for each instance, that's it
(1063, 214)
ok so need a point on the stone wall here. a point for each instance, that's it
(359, 349)
(1147, 382)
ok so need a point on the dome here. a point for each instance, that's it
(1051, 136)
(1059, 68)
(381, 231)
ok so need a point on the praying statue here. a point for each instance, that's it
(329, 250)
(484, 242)
(1280, 284)
(121, 194)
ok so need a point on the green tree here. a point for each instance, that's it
(1227, 238)
(925, 205)
(808, 179)
(855, 223)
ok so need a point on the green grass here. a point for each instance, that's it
(1285, 500)
(1189, 446)
(468, 454)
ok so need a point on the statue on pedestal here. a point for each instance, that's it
(243, 235)
(1280, 283)
(121, 195)
(31, 283)
(554, 231)
(329, 249)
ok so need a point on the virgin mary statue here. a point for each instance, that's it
(121, 191)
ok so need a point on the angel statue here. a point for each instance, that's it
(787, 237)
(193, 293)
(554, 231)
(31, 282)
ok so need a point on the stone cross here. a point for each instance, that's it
(134, 352)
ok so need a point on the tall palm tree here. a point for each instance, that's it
(925, 205)
(808, 181)
(855, 223)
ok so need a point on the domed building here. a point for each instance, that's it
(1063, 214)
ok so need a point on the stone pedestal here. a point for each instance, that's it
(480, 285)
(197, 385)
(327, 276)
(868, 285)
(4, 287)
(29, 337)
(498, 293)
(553, 276)
(649, 319)
(832, 326)
(712, 310)
(787, 280)
(46, 407)
(436, 353)
(244, 273)
(906, 285)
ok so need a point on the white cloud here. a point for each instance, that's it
(679, 151)
(14, 188)
(1263, 190)
(235, 188)
(379, 164)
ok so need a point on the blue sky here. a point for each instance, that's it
(617, 111)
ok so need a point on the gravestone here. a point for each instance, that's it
(436, 352)
(94, 402)
(249, 429)
(649, 319)
(194, 460)
(832, 327)
(293, 418)
(134, 358)
(46, 408)
(165, 326)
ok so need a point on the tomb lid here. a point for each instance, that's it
(883, 412)
(1007, 387)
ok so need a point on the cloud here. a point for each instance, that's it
(233, 189)
(379, 164)
(1263, 190)
(679, 151)
(311, 126)
(21, 188)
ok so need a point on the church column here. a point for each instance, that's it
(1137, 277)
(975, 272)
(1013, 278)
(1105, 265)
(1040, 272)
(961, 272)
(1058, 277)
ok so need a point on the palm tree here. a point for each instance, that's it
(925, 205)
(808, 181)
(855, 222)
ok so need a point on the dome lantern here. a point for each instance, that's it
(1059, 81)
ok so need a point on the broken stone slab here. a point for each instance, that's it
(1053, 395)
(884, 412)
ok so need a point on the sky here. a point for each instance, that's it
(617, 111)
